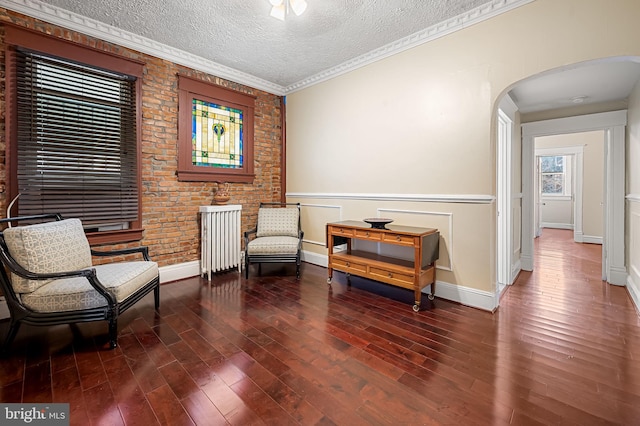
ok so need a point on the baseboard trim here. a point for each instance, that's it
(315, 258)
(480, 299)
(456, 293)
(634, 291)
(472, 297)
(515, 270)
(179, 271)
(618, 275)
(591, 239)
(556, 225)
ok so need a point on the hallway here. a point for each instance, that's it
(582, 335)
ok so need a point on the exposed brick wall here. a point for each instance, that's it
(170, 208)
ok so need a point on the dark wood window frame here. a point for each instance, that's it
(17, 37)
(190, 89)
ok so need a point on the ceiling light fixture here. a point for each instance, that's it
(281, 8)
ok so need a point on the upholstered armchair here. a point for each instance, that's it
(277, 237)
(49, 277)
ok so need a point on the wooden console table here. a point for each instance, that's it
(413, 275)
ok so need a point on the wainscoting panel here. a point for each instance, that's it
(318, 213)
(463, 271)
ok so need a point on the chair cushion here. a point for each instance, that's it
(277, 221)
(273, 245)
(50, 247)
(70, 294)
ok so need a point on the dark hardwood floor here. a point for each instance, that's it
(563, 348)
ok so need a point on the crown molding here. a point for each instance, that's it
(91, 27)
(94, 28)
(441, 29)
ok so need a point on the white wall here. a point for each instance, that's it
(407, 135)
(556, 213)
(633, 198)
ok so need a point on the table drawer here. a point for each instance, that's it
(390, 276)
(338, 230)
(366, 234)
(398, 239)
(348, 265)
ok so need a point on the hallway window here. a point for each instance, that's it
(554, 175)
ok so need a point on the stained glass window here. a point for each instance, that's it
(217, 135)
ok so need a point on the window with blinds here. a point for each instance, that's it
(76, 141)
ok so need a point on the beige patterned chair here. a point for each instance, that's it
(49, 278)
(277, 238)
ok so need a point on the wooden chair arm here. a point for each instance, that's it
(247, 235)
(142, 249)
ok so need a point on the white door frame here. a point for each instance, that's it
(504, 202)
(504, 230)
(577, 175)
(613, 123)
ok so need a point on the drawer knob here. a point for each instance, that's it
(390, 275)
(367, 234)
(348, 264)
(398, 237)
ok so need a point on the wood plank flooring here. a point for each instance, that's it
(563, 349)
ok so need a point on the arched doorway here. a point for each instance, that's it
(572, 118)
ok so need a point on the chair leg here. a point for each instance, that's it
(246, 266)
(156, 296)
(13, 331)
(113, 333)
(112, 318)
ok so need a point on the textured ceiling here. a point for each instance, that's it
(239, 41)
(241, 35)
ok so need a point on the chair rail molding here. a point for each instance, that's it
(427, 198)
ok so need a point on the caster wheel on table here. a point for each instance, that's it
(431, 296)
(329, 281)
(416, 308)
